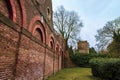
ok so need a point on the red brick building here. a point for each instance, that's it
(30, 49)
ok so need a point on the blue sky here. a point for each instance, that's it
(93, 13)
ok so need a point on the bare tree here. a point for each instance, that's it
(109, 33)
(68, 24)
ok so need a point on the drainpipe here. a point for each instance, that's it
(17, 53)
(63, 60)
(53, 60)
(44, 57)
(58, 61)
(44, 64)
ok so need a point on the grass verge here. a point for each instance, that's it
(73, 74)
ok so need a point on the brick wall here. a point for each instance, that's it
(8, 50)
(3, 7)
(23, 55)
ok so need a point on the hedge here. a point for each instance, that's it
(106, 68)
(82, 59)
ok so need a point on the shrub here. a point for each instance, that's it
(106, 68)
(82, 59)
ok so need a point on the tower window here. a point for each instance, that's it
(48, 13)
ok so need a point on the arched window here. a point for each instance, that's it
(51, 43)
(34, 24)
(6, 8)
(57, 48)
(38, 34)
(11, 9)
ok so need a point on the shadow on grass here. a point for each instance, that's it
(61, 77)
(92, 77)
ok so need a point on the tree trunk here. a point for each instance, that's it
(66, 44)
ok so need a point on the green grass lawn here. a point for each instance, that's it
(73, 74)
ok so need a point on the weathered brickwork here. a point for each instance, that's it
(3, 7)
(8, 49)
(30, 49)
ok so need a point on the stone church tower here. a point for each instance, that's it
(83, 47)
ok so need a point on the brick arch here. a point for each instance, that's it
(51, 42)
(12, 12)
(57, 48)
(41, 32)
(33, 27)
(36, 18)
(61, 51)
(9, 6)
(23, 14)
